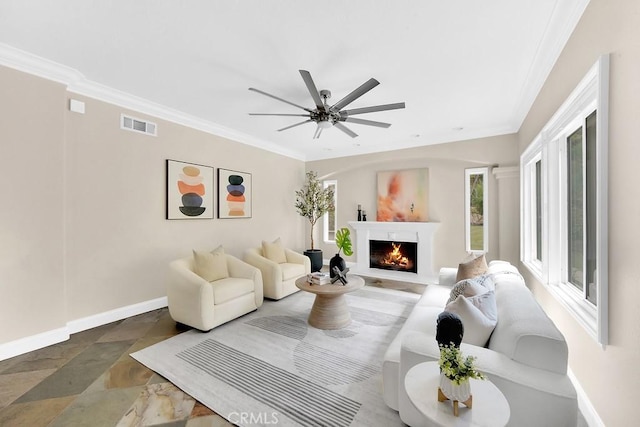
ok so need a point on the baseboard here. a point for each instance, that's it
(44, 339)
(33, 342)
(586, 408)
(115, 314)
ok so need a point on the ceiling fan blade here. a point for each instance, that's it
(279, 99)
(317, 133)
(278, 114)
(366, 122)
(313, 90)
(297, 124)
(364, 88)
(345, 129)
(363, 110)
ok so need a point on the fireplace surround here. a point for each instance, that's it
(418, 234)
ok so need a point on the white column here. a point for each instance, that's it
(508, 219)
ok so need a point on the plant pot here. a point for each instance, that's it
(452, 391)
(315, 255)
(336, 261)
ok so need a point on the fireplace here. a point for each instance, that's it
(396, 256)
(414, 238)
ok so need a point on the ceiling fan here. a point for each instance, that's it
(326, 115)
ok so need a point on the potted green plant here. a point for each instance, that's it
(313, 201)
(343, 242)
(455, 373)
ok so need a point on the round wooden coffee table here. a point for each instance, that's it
(490, 407)
(330, 310)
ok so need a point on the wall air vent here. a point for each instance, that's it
(137, 125)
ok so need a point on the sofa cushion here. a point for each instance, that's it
(422, 319)
(225, 290)
(211, 266)
(472, 268)
(274, 251)
(478, 314)
(291, 270)
(524, 333)
(434, 296)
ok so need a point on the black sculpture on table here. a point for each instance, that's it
(449, 329)
(340, 275)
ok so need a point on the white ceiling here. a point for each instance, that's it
(464, 68)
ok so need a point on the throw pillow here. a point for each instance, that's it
(487, 280)
(467, 288)
(274, 251)
(218, 250)
(211, 266)
(472, 268)
(486, 303)
(477, 326)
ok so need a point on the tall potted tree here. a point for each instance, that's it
(313, 201)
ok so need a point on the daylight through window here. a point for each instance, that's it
(564, 203)
(329, 220)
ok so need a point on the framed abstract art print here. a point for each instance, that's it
(234, 194)
(189, 191)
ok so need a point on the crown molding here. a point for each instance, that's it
(77, 83)
(548, 52)
(38, 66)
(506, 172)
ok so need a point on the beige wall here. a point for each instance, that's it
(609, 376)
(357, 184)
(84, 228)
(32, 212)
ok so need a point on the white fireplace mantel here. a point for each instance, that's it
(419, 232)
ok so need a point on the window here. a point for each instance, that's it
(476, 219)
(329, 220)
(581, 208)
(532, 208)
(538, 208)
(564, 203)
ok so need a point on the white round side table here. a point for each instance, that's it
(490, 407)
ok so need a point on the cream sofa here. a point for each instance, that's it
(204, 305)
(279, 279)
(526, 356)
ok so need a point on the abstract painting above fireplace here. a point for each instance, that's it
(403, 195)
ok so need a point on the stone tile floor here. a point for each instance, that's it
(90, 380)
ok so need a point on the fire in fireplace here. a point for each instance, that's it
(398, 256)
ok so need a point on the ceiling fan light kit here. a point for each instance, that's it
(327, 116)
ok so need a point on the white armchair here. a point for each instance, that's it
(279, 278)
(204, 305)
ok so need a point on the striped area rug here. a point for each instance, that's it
(271, 368)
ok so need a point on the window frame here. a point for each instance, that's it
(484, 171)
(325, 217)
(528, 203)
(549, 147)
